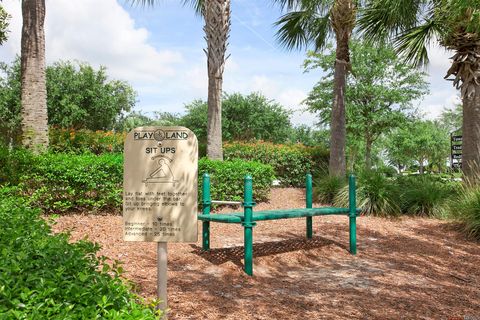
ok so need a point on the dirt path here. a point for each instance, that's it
(409, 268)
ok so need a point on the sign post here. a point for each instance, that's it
(160, 191)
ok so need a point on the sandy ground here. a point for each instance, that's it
(409, 268)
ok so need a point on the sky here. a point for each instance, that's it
(159, 51)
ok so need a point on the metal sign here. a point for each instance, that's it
(456, 156)
(457, 138)
(457, 147)
(160, 185)
(457, 165)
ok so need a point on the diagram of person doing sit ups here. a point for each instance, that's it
(163, 173)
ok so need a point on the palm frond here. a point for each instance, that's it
(412, 44)
(298, 29)
(296, 5)
(382, 18)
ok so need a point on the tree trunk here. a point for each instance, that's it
(34, 92)
(214, 126)
(337, 163)
(471, 137)
(217, 27)
(368, 153)
(343, 15)
(421, 169)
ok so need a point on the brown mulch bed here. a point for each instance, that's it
(408, 268)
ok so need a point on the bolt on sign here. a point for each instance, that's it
(160, 185)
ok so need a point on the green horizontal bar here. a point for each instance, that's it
(276, 214)
(223, 218)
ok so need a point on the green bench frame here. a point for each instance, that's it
(248, 218)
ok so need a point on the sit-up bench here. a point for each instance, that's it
(248, 218)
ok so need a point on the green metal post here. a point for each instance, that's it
(248, 224)
(352, 205)
(206, 204)
(309, 202)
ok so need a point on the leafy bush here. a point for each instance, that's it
(81, 141)
(376, 195)
(58, 182)
(226, 178)
(326, 188)
(290, 161)
(43, 276)
(424, 194)
(61, 182)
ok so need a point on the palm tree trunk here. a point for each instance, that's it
(34, 92)
(471, 137)
(214, 126)
(337, 163)
(217, 28)
(343, 20)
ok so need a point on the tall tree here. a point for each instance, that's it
(453, 24)
(4, 17)
(313, 22)
(34, 92)
(216, 14)
(379, 94)
(217, 27)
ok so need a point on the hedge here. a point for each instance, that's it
(43, 276)
(290, 161)
(57, 182)
(227, 178)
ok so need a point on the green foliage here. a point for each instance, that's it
(376, 195)
(65, 182)
(82, 141)
(309, 136)
(425, 194)
(10, 115)
(227, 178)
(78, 96)
(326, 188)
(451, 119)
(290, 161)
(43, 276)
(419, 142)
(379, 93)
(60, 183)
(466, 209)
(244, 118)
(4, 17)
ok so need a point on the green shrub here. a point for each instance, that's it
(465, 207)
(62, 182)
(376, 195)
(326, 188)
(290, 161)
(227, 178)
(43, 276)
(424, 194)
(13, 163)
(58, 182)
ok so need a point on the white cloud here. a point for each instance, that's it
(99, 32)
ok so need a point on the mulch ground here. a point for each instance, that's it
(408, 268)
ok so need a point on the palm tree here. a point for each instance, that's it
(216, 14)
(313, 22)
(33, 83)
(453, 24)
